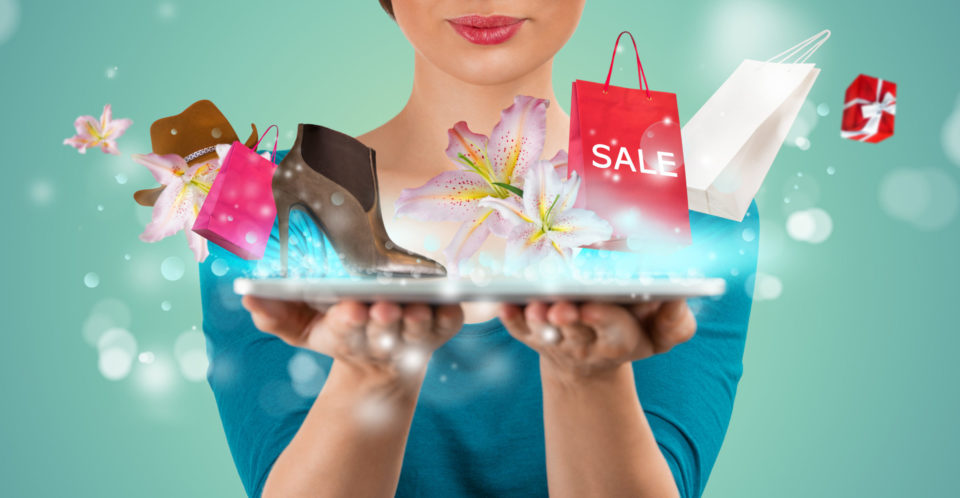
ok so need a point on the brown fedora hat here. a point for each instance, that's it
(192, 134)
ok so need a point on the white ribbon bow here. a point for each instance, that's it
(873, 111)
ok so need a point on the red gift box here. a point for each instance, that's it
(869, 109)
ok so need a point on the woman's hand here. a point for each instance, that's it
(383, 338)
(596, 338)
(590, 401)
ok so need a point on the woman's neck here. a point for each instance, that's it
(439, 100)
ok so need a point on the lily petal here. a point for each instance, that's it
(109, 147)
(468, 239)
(222, 150)
(509, 209)
(579, 227)
(500, 225)
(559, 163)
(118, 127)
(541, 190)
(449, 196)
(77, 143)
(472, 145)
(84, 124)
(204, 173)
(568, 195)
(197, 244)
(106, 116)
(171, 213)
(518, 138)
(527, 245)
(165, 169)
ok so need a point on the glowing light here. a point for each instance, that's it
(804, 124)
(219, 267)
(114, 364)
(550, 335)
(172, 268)
(9, 19)
(117, 348)
(41, 192)
(763, 287)
(950, 136)
(155, 378)
(166, 11)
(307, 375)
(411, 360)
(106, 314)
(91, 280)
(810, 225)
(190, 353)
(927, 198)
(386, 342)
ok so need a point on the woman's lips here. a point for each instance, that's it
(486, 30)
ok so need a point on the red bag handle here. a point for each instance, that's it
(640, 74)
(273, 158)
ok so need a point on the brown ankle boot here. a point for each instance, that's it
(333, 177)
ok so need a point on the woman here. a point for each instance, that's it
(493, 407)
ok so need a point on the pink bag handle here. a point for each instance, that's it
(273, 158)
(640, 74)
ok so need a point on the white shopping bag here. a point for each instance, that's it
(730, 143)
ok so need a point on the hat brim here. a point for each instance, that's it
(148, 197)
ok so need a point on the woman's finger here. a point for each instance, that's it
(673, 324)
(575, 337)
(342, 331)
(514, 321)
(287, 320)
(447, 320)
(417, 324)
(542, 332)
(577, 340)
(383, 330)
(644, 310)
(617, 329)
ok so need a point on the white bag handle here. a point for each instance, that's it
(810, 44)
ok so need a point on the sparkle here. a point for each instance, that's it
(172, 268)
(550, 335)
(91, 280)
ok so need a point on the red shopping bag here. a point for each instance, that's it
(625, 145)
(239, 211)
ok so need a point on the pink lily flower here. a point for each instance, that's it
(545, 222)
(516, 143)
(103, 132)
(177, 207)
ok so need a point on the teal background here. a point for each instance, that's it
(850, 385)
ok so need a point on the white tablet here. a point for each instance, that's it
(445, 290)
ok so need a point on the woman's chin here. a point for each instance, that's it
(490, 68)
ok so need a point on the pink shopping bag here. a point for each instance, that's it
(239, 211)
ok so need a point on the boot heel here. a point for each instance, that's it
(284, 205)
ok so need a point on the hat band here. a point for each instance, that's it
(201, 152)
